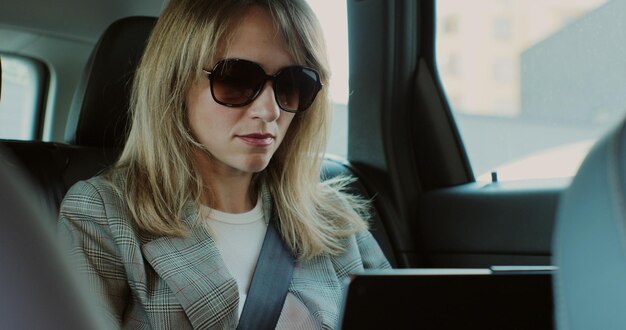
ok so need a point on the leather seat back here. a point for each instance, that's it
(99, 114)
(590, 241)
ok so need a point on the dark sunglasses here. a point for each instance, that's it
(236, 83)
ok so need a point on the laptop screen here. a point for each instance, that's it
(449, 299)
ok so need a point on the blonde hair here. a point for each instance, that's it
(156, 172)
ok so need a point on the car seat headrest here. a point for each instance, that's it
(590, 240)
(99, 113)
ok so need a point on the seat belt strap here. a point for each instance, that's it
(270, 282)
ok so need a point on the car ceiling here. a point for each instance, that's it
(88, 20)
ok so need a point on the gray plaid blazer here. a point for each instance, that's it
(182, 283)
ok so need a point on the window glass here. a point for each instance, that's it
(532, 83)
(334, 20)
(20, 98)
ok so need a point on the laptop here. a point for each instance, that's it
(496, 298)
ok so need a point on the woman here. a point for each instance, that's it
(230, 116)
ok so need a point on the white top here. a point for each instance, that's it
(239, 238)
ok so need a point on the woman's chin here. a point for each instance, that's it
(255, 165)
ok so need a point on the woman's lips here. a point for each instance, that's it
(257, 140)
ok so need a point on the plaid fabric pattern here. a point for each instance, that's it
(182, 283)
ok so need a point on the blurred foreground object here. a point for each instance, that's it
(37, 290)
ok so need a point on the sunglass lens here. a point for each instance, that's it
(236, 83)
(296, 88)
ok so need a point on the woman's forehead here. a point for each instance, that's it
(264, 47)
(252, 34)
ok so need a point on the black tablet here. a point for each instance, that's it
(506, 298)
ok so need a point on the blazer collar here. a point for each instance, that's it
(194, 270)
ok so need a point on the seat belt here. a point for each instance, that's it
(270, 282)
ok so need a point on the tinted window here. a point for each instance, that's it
(21, 98)
(532, 83)
(334, 20)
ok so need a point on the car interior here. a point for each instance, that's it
(403, 146)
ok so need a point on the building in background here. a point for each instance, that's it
(578, 74)
(480, 42)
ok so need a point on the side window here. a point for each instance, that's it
(532, 83)
(22, 97)
(334, 20)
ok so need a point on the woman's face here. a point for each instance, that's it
(242, 140)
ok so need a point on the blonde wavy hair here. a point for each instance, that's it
(156, 172)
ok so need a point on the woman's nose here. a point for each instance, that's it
(265, 106)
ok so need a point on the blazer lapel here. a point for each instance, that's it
(195, 272)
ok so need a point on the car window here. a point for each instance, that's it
(334, 20)
(532, 83)
(22, 93)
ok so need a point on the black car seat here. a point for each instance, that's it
(590, 241)
(96, 126)
(99, 115)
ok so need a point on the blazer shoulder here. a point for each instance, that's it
(371, 253)
(96, 187)
(95, 199)
(361, 252)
